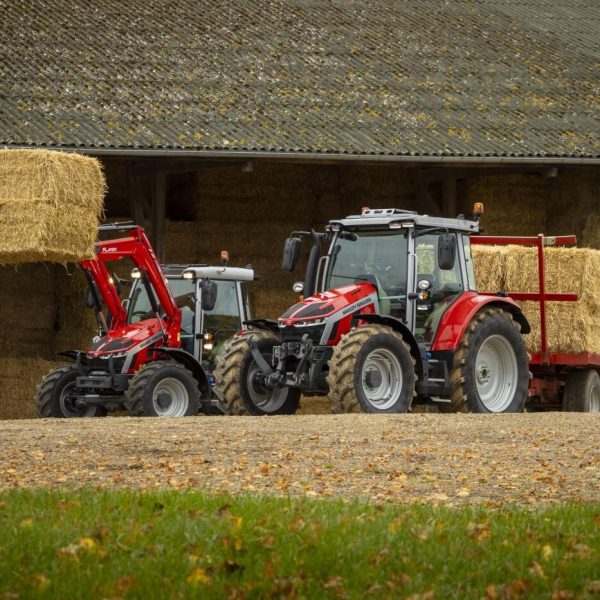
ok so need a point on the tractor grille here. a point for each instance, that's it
(295, 334)
(101, 364)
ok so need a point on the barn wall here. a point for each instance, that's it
(251, 213)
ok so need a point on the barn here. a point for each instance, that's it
(228, 125)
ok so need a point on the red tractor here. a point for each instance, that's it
(137, 362)
(390, 317)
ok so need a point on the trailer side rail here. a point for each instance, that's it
(540, 242)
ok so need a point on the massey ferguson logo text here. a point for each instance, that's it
(359, 304)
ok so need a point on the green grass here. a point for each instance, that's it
(79, 544)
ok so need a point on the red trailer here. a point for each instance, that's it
(560, 380)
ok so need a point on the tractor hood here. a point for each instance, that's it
(331, 305)
(125, 339)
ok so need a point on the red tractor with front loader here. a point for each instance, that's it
(391, 317)
(153, 353)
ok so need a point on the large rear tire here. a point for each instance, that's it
(491, 366)
(237, 378)
(582, 392)
(52, 396)
(163, 389)
(372, 371)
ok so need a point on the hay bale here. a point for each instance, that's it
(572, 326)
(18, 381)
(28, 304)
(50, 204)
(75, 323)
(591, 232)
(514, 204)
(489, 263)
(568, 271)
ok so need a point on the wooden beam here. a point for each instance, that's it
(426, 202)
(159, 199)
(449, 194)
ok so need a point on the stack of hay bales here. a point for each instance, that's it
(259, 244)
(591, 232)
(514, 204)
(50, 204)
(572, 326)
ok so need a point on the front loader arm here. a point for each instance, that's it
(138, 248)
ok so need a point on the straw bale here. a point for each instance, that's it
(570, 327)
(75, 323)
(18, 381)
(591, 232)
(489, 263)
(28, 305)
(514, 204)
(568, 270)
(314, 405)
(50, 204)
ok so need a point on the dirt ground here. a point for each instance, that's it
(434, 458)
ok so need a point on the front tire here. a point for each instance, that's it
(373, 371)
(237, 378)
(582, 392)
(162, 389)
(53, 396)
(491, 366)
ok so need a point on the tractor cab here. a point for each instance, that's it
(204, 326)
(417, 264)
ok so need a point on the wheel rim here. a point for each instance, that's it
(265, 399)
(496, 373)
(381, 378)
(170, 398)
(595, 399)
(67, 407)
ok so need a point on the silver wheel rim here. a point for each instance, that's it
(496, 373)
(66, 405)
(595, 399)
(381, 378)
(265, 399)
(170, 398)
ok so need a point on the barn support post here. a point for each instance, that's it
(159, 194)
(449, 193)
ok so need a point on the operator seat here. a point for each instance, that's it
(385, 306)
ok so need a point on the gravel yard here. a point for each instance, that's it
(447, 459)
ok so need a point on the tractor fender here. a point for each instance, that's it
(402, 329)
(190, 362)
(460, 313)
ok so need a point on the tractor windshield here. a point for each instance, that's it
(378, 257)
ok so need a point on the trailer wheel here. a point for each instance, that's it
(52, 396)
(373, 371)
(162, 389)
(491, 366)
(237, 378)
(582, 392)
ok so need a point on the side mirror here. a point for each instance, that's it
(291, 254)
(89, 298)
(209, 294)
(446, 251)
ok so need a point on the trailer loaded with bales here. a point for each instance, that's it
(391, 316)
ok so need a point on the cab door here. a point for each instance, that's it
(437, 288)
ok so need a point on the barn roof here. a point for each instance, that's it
(516, 78)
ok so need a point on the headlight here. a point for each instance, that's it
(309, 323)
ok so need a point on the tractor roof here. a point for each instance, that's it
(380, 217)
(208, 272)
